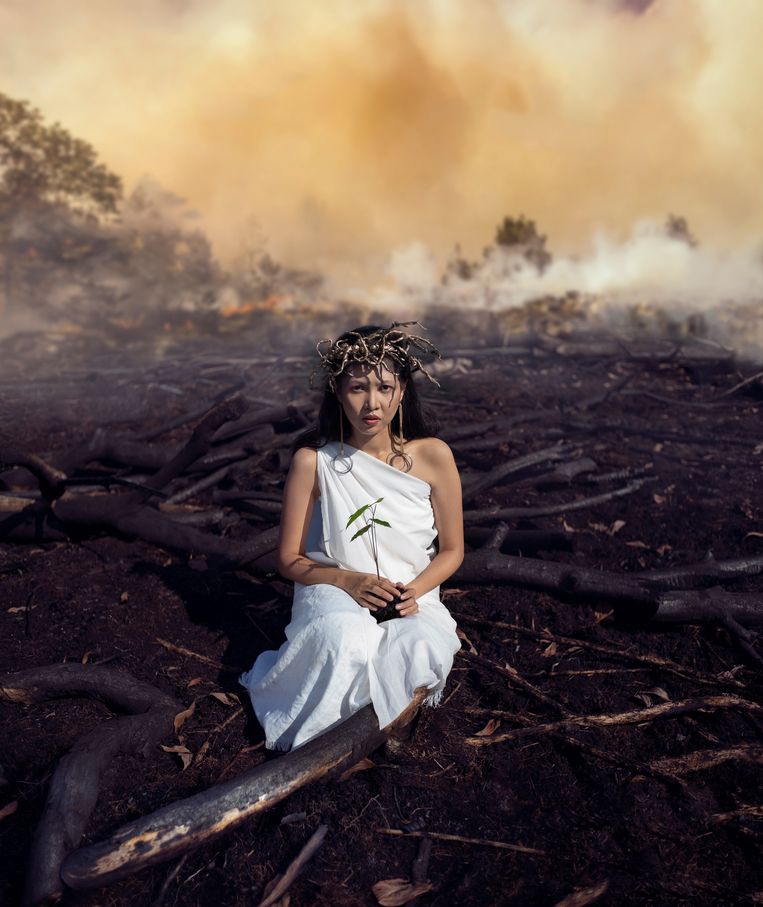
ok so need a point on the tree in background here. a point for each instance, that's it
(517, 236)
(458, 266)
(520, 234)
(72, 248)
(53, 195)
(677, 227)
(45, 164)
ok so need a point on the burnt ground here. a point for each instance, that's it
(98, 598)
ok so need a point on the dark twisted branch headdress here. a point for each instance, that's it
(372, 349)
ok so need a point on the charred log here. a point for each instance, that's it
(74, 787)
(635, 597)
(182, 826)
(524, 540)
(507, 513)
(478, 484)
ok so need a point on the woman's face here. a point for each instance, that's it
(370, 396)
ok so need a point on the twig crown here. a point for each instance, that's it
(372, 349)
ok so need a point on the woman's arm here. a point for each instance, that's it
(448, 517)
(299, 496)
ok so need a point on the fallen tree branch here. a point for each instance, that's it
(636, 716)
(126, 514)
(207, 482)
(110, 446)
(567, 428)
(701, 760)
(738, 387)
(516, 679)
(525, 540)
(74, 787)
(706, 573)
(186, 824)
(508, 513)
(194, 414)
(295, 867)
(196, 446)
(50, 478)
(266, 416)
(746, 812)
(652, 662)
(637, 598)
(151, 526)
(181, 650)
(637, 768)
(581, 897)
(478, 484)
(440, 836)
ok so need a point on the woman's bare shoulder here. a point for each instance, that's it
(435, 450)
(305, 457)
(434, 460)
(304, 468)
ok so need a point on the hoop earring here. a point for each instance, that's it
(398, 442)
(340, 462)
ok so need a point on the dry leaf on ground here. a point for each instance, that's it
(8, 810)
(393, 892)
(361, 766)
(185, 754)
(182, 717)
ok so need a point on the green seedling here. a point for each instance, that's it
(388, 611)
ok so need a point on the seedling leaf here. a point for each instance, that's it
(360, 532)
(361, 510)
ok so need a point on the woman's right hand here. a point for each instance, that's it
(368, 590)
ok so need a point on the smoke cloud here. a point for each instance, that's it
(348, 130)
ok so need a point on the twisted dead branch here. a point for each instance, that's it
(73, 790)
(636, 597)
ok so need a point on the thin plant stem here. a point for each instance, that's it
(373, 540)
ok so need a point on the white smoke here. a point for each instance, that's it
(649, 269)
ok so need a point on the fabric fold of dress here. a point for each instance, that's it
(336, 658)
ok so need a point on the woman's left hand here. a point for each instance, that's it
(408, 605)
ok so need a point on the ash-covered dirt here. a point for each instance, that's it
(596, 820)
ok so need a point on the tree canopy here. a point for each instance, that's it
(521, 233)
(41, 163)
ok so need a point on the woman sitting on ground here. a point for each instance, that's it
(372, 442)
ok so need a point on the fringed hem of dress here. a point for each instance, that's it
(433, 700)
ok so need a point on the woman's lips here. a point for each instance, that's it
(371, 421)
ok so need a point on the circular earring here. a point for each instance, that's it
(398, 443)
(341, 463)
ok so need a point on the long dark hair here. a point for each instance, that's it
(417, 422)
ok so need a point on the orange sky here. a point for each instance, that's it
(350, 127)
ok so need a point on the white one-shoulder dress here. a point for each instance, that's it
(336, 657)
